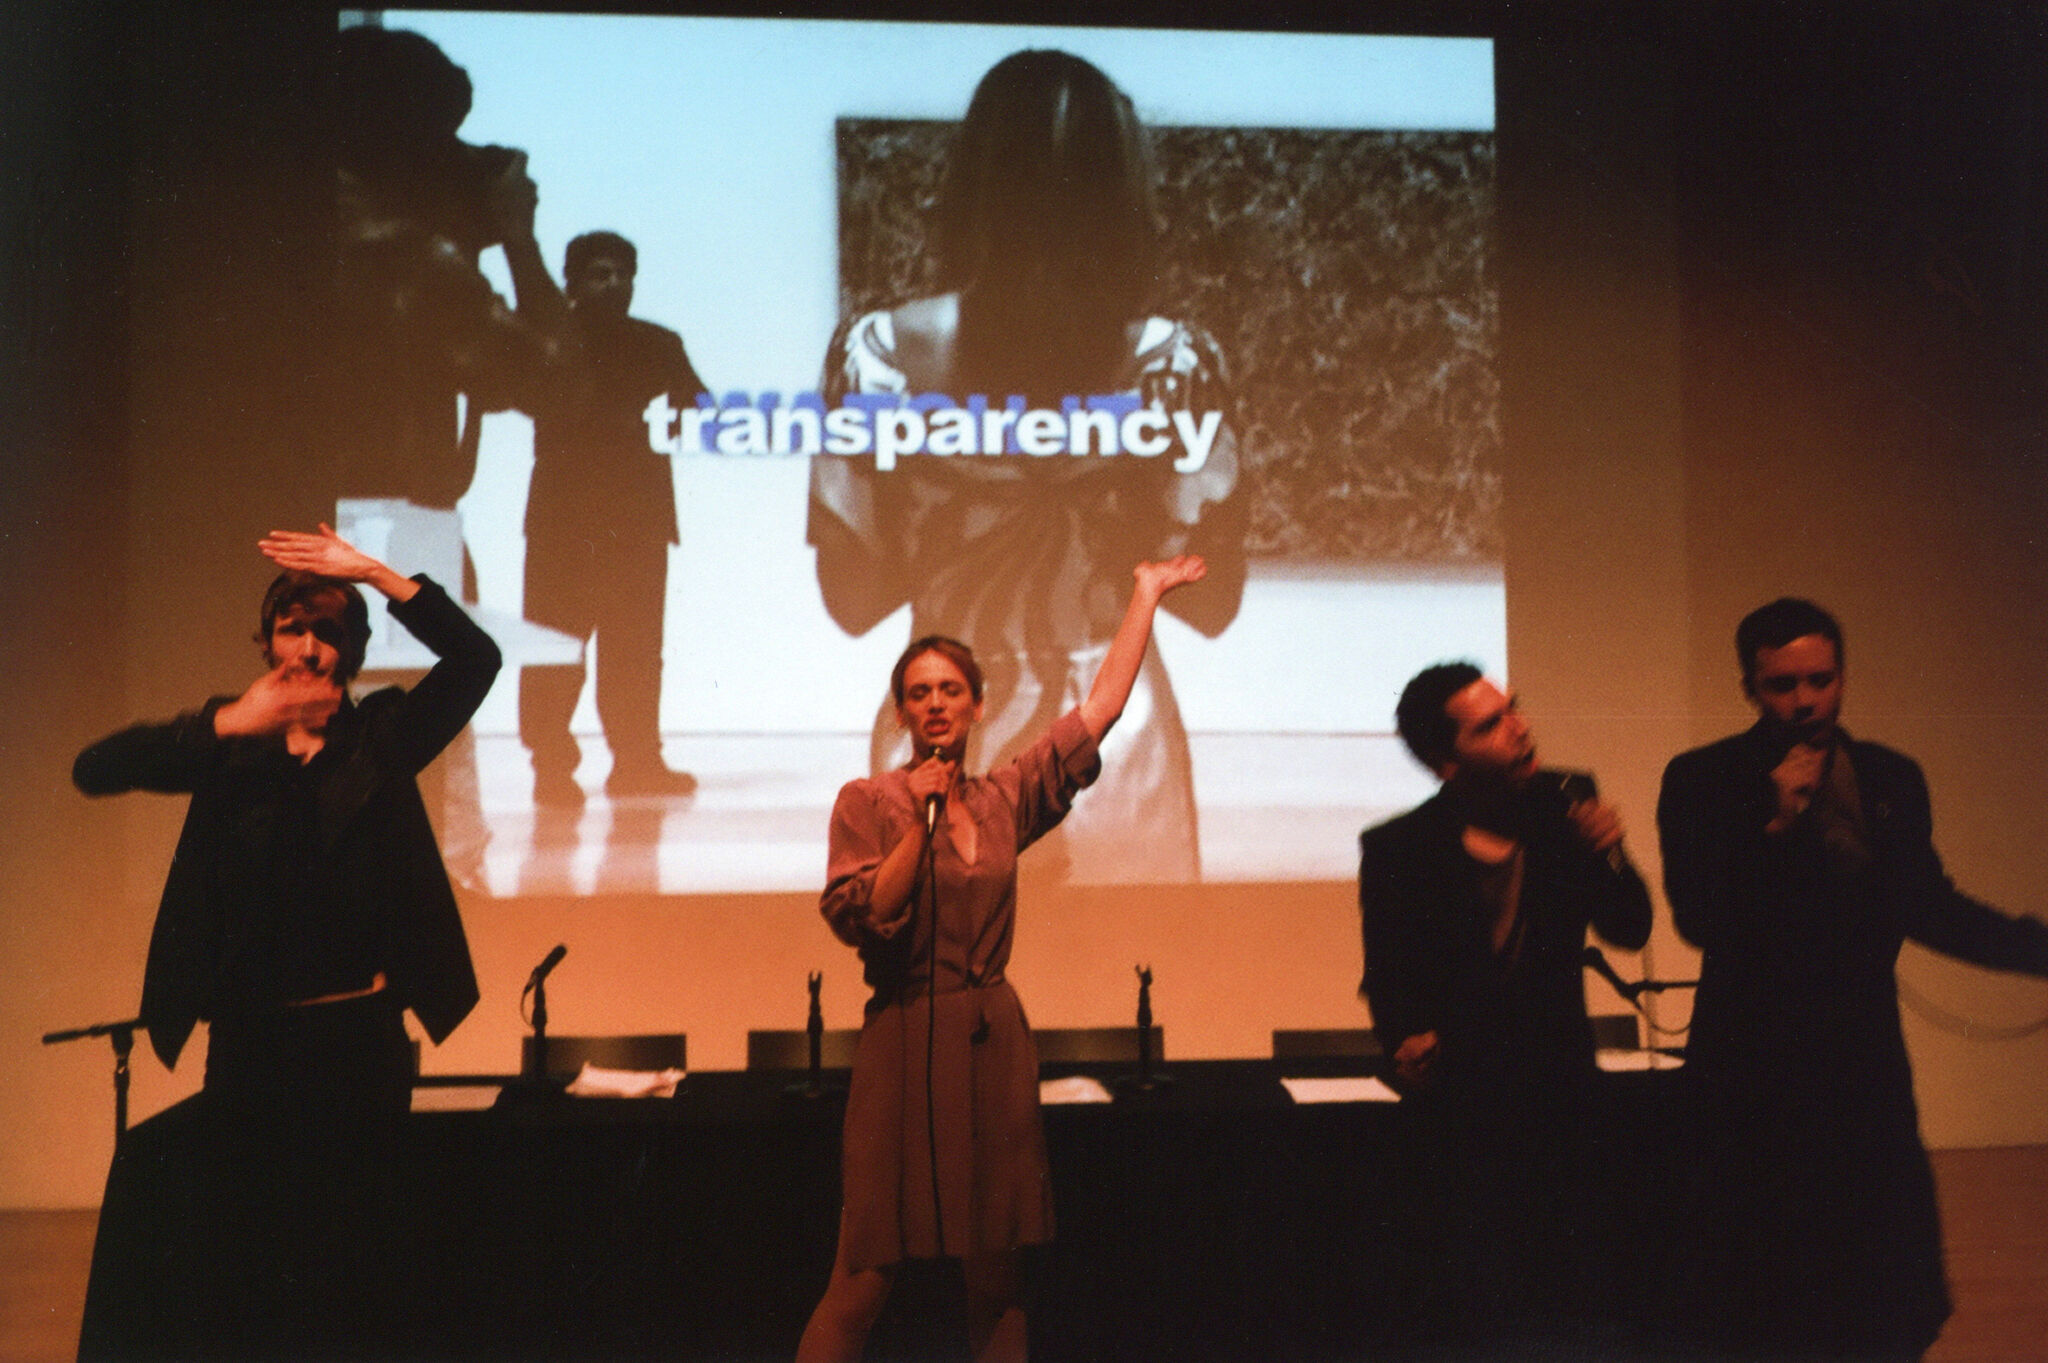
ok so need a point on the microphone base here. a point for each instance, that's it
(1138, 1085)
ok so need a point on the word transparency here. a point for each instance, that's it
(891, 427)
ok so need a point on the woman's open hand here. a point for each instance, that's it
(1158, 578)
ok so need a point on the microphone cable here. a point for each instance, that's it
(931, 1029)
(1956, 1024)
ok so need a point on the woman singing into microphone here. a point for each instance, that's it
(943, 1152)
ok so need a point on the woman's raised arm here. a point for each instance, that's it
(1119, 672)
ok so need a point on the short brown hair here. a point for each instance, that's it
(302, 591)
(1778, 624)
(1420, 717)
(947, 647)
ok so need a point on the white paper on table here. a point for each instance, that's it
(1615, 1061)
(1079, 1088)
(1344, 1090)
(455, 1097)
(595, 1082)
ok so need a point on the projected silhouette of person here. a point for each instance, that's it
(1044, 234)
(600, 517)
(418, 344)
(415, 323)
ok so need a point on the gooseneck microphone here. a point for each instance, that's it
(547, 965)
(536, 985)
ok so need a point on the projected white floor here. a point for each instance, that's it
(1284, 807)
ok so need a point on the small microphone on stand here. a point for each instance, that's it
(123, 1034)
(536, 985)
(547, 965)
(1146, 1080)
(813, 1084)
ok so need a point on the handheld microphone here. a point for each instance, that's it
(933, 801)
(1595, 960)
(553, 959)
(1577, 787)
(1568, 788)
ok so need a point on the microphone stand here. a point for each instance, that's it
(1658, 987)
(1631, 991)
(538, 1068)
(1595, 960)
(813, 1085)
(123, 1035)
(814, 1029)
(534, 1073)
(1144, 1081)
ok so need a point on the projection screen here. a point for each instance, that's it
(1309, 399)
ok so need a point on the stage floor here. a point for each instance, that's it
(1994, 1206)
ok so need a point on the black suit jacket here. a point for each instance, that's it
(373, 834)
(1429, 959)
(1814, 1224)
(1796, 976)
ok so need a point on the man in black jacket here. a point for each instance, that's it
(305, 910)
(1475, 908)
(600, 517)
(1798, 859)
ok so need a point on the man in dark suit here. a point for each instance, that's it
(1475, 907)
(305, 911)
(600, 517)
(1798, 859)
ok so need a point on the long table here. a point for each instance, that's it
(1213, 1218)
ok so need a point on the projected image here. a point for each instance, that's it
(976, 336)
(1049, 235)
(1041, 248)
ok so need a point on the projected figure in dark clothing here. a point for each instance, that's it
(1044, 233)
(416, 325)
(305, 910)
(600, 518)
(1799, 859)
(1475, 907)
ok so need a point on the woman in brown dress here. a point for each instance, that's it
(943, 1153)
